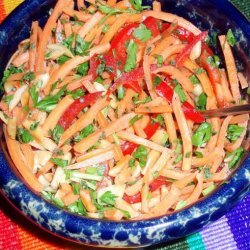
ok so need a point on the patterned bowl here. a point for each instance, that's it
(213, 15)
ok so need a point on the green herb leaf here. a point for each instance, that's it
(84, 133)
(59, 162)
(159, 59)
(81, 46)
(137, 5)
(201, 103)
(57, 133)
(202, 134)
(199, 71)
(157, 80)
(48, 103)
(34, 94)
(10, 71)
(28, 77)
(131, 163)
(181, 204)
(78, 208)
(24, 136)
(62, 59)
(33, 126)
(77, 94)
(178, 159)
(126, 214)
(131, 56)
(198, 154)
(68, 42)
(233, 132)
(7, 99)
(142, 33)
(58, 202)
(76, 187)
(108, 198)
(214, 61)
(105, 9)
(179, 91)
(137, 101)
(207, 173)
(82, 69)
(120, 92)
(194, 79)
(231, 38)
(135, 119)
(208, 190)
(159, 119)
(211, 40)
(141, 154)
(235, 157)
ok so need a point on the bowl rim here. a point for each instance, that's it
(239, 188)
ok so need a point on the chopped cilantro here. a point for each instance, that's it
(202, 134)
(131, 56)
(59, 162)
(142, 33)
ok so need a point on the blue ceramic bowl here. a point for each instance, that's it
(212, 15)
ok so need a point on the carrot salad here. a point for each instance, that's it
(102, 110)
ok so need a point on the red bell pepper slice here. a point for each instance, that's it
(119, 41)
(153, 24)
(75, 108)
(191, 113)
(157, 183)
(165, 91)
(204, 47)
(134, 86)
(133, 198)
(150, 129)
(128, 147)
(126, 77)
(180, 58)
(184, 34)
(93, 65)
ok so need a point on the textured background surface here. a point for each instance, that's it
(230, 232)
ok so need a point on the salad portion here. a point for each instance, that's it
(102, 110)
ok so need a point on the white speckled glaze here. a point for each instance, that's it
(133, 233)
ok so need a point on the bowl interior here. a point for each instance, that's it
(201, 12)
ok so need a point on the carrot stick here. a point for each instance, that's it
(243, 81)
(114, 28)
(29, 155)
(86, 200)
(172, 50)
(170, 18)
(81, 16)
(156, 6)
(101, 120)
(21, 59)
(197, 191)
(183, 182)
(239, 119)
(185, 133)
(90, 24)
(138, 140)
(223, 132)
(64, 70)
(170, 126)
(159, 109)
(178, 75)
(33, 45)
(46, 168)
(111, 3)
(84, 120)
(40, 64)
(70, 198)
(231, 68)
(225, 86)
(20, 163)
(56, 113)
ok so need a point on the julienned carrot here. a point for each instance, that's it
(33, 45)
(81, 16)
(113, 127)
(84, 120)
(40, 63)
(20, 163)
(170, 126)
(162, 207)
(70, 198)
(172, 50)
(56, 113)
(114, 28)
(111, 3)
(225, 86)
(102, 121)
(178, 75)
(243, 81)
(160, 109)
(87, 201)
(185, 133)
(197, 191)
(156, 6)
(21, 59)
(183, 182)
(90, 24)
(65, 69)
(138, 140)
(29, 155)
(170, 18)
(223, 132)
(239, 119)
(231, 68)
